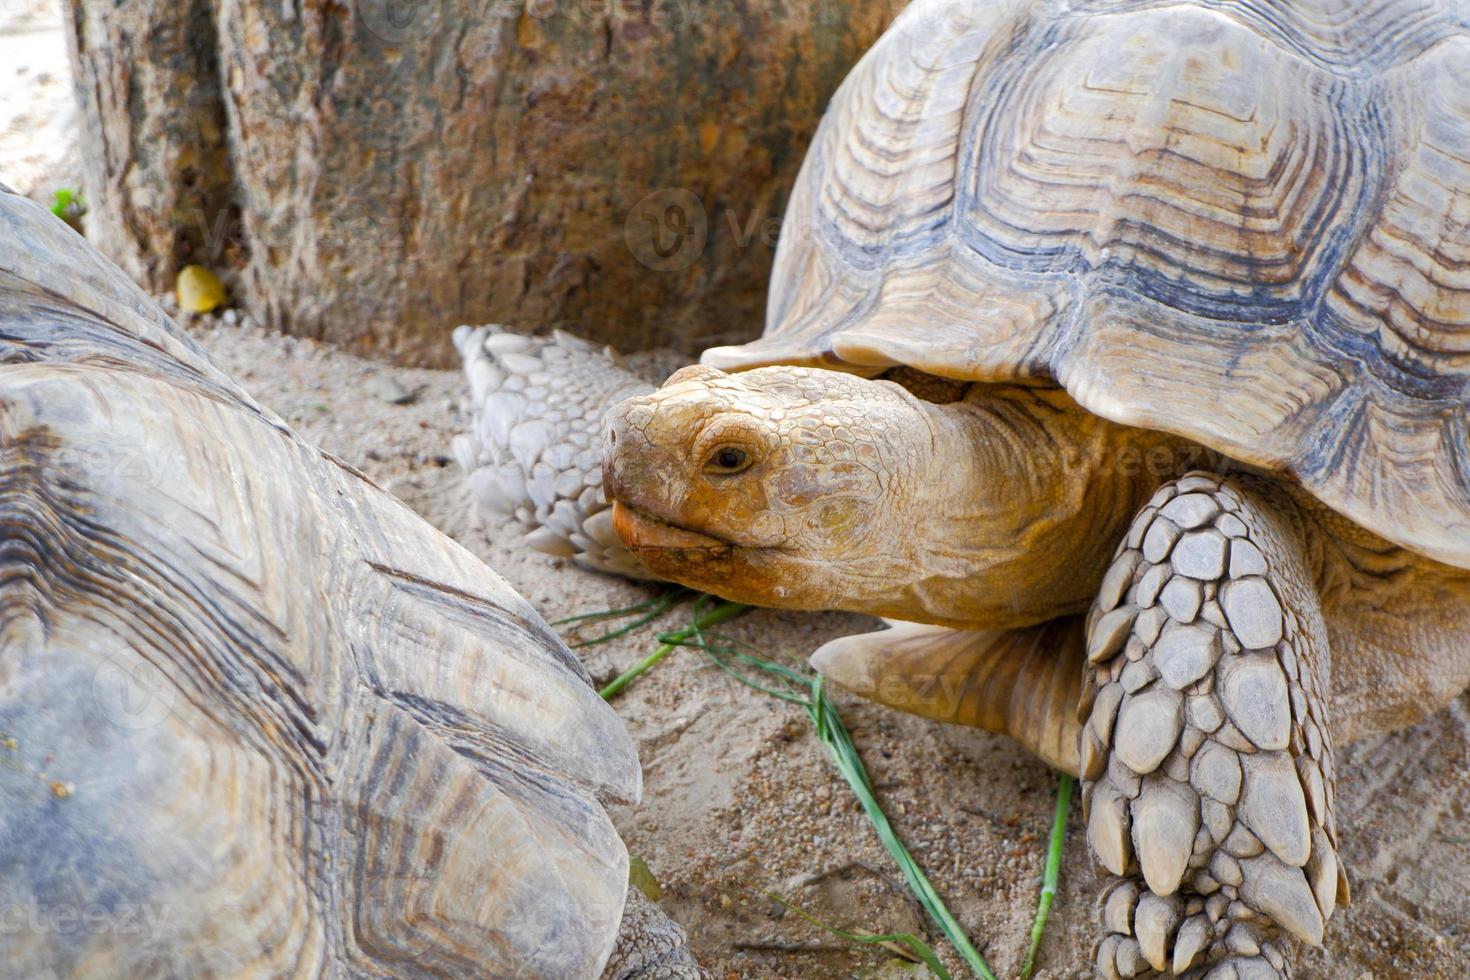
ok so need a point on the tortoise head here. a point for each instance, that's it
(815, 489)
(775, 486)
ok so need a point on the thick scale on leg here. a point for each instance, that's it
(651, 946)
(1206, 761)
(534, 447)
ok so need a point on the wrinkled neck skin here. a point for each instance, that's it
(1026, 497)
(999, 510)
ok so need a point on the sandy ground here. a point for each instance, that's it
(38, 115)
(740, 797)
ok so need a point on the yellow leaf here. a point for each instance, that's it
(642, 879)
(198, 290)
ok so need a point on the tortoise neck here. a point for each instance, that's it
(1027, 497)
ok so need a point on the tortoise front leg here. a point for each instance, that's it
(650, 946)
(1206, 761)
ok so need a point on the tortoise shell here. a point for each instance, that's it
(258, 718)
(1246, 223)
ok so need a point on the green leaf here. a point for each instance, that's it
(643, 879)
(63, 198)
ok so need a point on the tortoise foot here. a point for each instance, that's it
(1184, 934)
(534, 447)
(1206, 762)
(650, 946)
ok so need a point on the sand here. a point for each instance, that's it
(38, 113)
(740, 798)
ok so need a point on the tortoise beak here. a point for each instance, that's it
(641, 532)
(641, 480)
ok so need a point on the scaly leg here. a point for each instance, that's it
(651, 946)
(534, 447)
(1204, 749)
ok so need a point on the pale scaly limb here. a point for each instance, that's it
(1206, 758)
(534, 446)
(650, 946)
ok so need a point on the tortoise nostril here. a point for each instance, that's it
(612, 437)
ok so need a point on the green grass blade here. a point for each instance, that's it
(1050, 875)
(669, 642)
(807, 690)
(651, 608)
(834, 735)
(839, 743)
(919, 949)
(656, 609)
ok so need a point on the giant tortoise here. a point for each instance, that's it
(1120, 353)
(257, 718)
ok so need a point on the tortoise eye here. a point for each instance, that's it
(726, 460)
